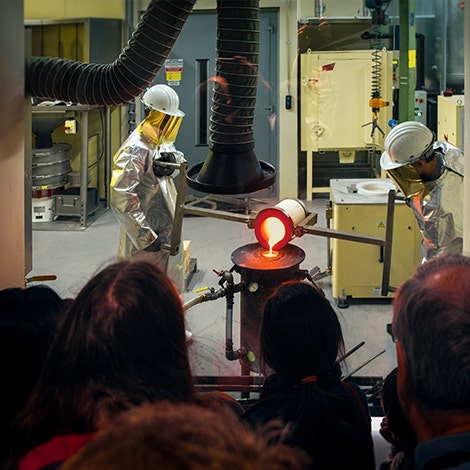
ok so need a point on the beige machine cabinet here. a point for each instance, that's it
(360, 206)
(335, 112)
(335, 94)
(451, 119)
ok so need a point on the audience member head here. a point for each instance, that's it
(218, 400)
(301, 341)
(28, 322)
(398, 430)
(300, 332)
(431, 326)
(121, 343)
(170, 435)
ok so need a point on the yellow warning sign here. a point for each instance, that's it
(173, 75)
(173, 71)
(412, 59)
(381, 224)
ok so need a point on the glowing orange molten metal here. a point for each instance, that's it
(273, 231)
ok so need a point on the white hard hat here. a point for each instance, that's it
(162, 98)
(405, 144)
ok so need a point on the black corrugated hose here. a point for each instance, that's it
(234, 101)
(125, 78)
(231, 166)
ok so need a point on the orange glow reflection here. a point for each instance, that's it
(270, 254)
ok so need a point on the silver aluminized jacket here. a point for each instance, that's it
(438, 204)
(144, 203)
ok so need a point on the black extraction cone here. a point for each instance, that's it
(231, 166)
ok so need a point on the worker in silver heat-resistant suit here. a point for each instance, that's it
(429, 173)
(143, 193)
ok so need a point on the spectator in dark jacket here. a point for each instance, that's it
(301, 341)
(395, 428)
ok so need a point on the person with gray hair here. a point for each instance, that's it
(431, 330)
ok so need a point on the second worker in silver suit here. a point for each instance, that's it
(429, 173)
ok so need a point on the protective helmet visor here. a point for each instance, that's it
(407, 180)
(161, 128)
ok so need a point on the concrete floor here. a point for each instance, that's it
(74, 256)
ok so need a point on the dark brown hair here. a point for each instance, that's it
(121, 343)
(301, 337)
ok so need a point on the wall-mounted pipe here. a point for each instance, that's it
(125, 78)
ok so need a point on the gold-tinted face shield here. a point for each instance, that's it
(407, 180)
(160, 128)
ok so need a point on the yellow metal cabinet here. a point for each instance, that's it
(357, 267)
(93, 40)
(336, 8)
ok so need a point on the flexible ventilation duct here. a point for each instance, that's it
(232, 167)
(125, 78)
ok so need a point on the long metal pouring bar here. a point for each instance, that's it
(304, 226)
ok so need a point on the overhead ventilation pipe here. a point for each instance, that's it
(125, 78)
(231, 166)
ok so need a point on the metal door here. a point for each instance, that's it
(196, 46)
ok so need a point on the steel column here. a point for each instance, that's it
(407, 64)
